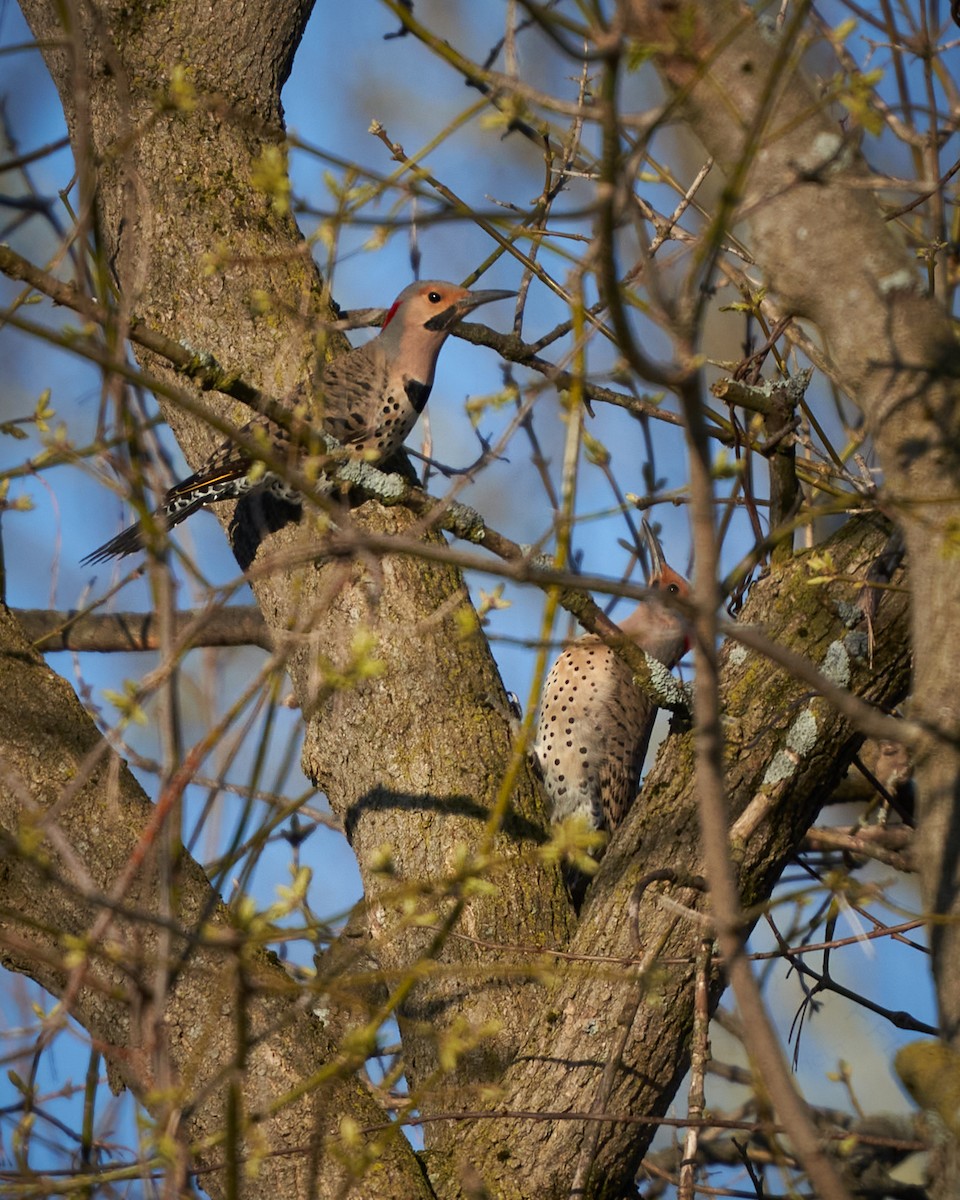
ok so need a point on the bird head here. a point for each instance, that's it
(656, 625)
(422, 317)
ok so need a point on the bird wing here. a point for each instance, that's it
(351, 394)
(630, 714)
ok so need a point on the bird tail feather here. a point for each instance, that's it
(130, 540)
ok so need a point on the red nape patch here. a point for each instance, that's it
(391, 314)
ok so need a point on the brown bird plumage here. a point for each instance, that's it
(368, 399)
(595, 723)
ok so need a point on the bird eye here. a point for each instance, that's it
(674, 589)
(434, 297)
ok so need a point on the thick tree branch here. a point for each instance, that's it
(49, 631)
(785, 750)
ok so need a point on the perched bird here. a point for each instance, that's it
(595, 723)
(369, 399)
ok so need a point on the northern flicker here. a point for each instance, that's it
(595, 723)
(368, 399)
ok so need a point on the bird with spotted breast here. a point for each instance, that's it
(594, 724)
(369, 399)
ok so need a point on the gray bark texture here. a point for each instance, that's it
(414, 758)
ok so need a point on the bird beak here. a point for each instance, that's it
(655, 550)
(475, 299)
(452, 314)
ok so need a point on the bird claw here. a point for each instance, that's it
(511, 711)
(681, 721)
(202, 358)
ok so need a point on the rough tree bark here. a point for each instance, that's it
(176, 183)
